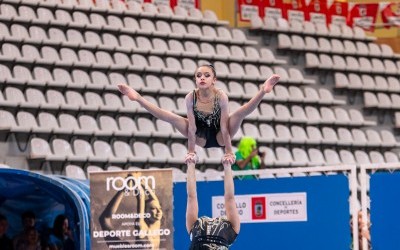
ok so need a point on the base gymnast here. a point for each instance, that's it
(211, 233)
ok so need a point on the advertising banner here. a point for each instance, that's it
(131, 210)
(337, 11)
(161, 2)
(266, 207)
(187, 4)
(139, 1)
(316, 11)
(295, 10)
(248, 8)
(362, 15)
(272, 8)
(390, 13)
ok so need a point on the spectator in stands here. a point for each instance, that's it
(28, 220)
(205, 232)
(31, 240)
(248, 157)
(61, 236)
(208, 123)
(147, 203)
(5, 242)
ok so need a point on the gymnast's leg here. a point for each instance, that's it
(179, 122)
(237, 117)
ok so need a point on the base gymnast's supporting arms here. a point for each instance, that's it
(206, 232)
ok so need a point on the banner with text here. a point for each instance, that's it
(337, 11)
(272, 8)
(163, 2)
(249, 8)
(266, 207)
(390, 13)
(316, 11)
(187, 4)
(295, 10)
(362, 15)
(131, 210)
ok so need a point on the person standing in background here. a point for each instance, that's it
(61, 237)
(31, 242)
(28, 220)
(248, 157)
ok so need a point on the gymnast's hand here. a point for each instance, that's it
(229, 158)
(191, 158)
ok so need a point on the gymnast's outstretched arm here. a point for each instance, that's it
(192, 207)
(230, 204)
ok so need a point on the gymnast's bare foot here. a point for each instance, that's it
(270, 83)
(129, 92)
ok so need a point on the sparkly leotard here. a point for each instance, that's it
(212, 234)
(208, 125)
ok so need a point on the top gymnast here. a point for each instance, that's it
(208, 123)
